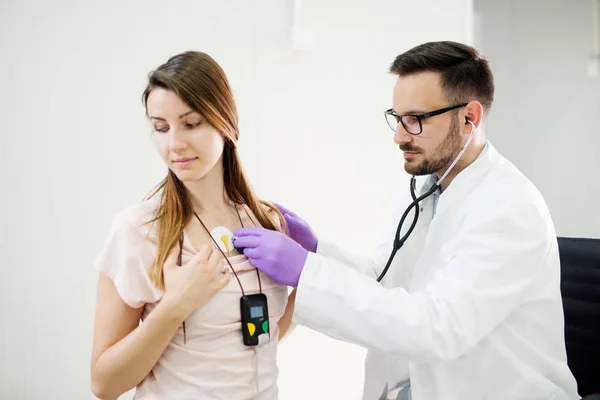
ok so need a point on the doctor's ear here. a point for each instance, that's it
(474, 114)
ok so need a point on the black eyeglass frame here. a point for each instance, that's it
(420, 117)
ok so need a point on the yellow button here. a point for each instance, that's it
(251, 328)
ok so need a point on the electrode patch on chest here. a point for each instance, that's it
(224, 239)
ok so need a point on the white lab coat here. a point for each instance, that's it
(471, 306)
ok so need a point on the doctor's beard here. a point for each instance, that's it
(442, 156)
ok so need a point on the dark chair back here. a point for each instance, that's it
(580, 285)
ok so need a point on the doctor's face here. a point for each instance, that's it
(434, 149)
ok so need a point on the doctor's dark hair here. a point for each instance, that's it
(465, 74)
(201, 83)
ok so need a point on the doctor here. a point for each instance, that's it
(470, 307)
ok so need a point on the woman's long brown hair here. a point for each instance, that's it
(201, 83)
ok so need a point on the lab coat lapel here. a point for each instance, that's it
(448, 205)
(466, 181)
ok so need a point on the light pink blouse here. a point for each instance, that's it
(214, 363)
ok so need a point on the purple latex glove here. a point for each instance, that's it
(273, 253)
(299, 230)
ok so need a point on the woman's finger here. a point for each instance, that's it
(202, 255)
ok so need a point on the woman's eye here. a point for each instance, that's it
(161, 129)
(192, 125)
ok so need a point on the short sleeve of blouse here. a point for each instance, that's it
(125, 258)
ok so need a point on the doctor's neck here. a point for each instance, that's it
(469, 156)
(207, 194)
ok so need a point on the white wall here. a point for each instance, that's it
(76, 149)
(546, 116)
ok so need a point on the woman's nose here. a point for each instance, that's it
(177, 140)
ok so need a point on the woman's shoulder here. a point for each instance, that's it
(269, 211)
(138, 217)
(128, 253)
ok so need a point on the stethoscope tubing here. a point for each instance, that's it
(399, 242)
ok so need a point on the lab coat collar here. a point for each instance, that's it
(469, 178)
(465, 180)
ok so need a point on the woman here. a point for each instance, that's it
(169, 260)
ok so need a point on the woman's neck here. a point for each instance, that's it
(208, 194)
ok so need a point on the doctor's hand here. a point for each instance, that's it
(272, 252)
(299, 230)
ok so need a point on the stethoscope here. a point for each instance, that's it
(399, 242)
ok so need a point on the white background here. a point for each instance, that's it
(76, 148)
(546, 118)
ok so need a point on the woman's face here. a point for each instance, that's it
(187, 143)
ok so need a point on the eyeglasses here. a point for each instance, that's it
(413, 123)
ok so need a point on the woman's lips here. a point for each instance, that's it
(184, 162)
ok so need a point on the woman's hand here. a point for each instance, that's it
(125, 351)
(189, 286)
